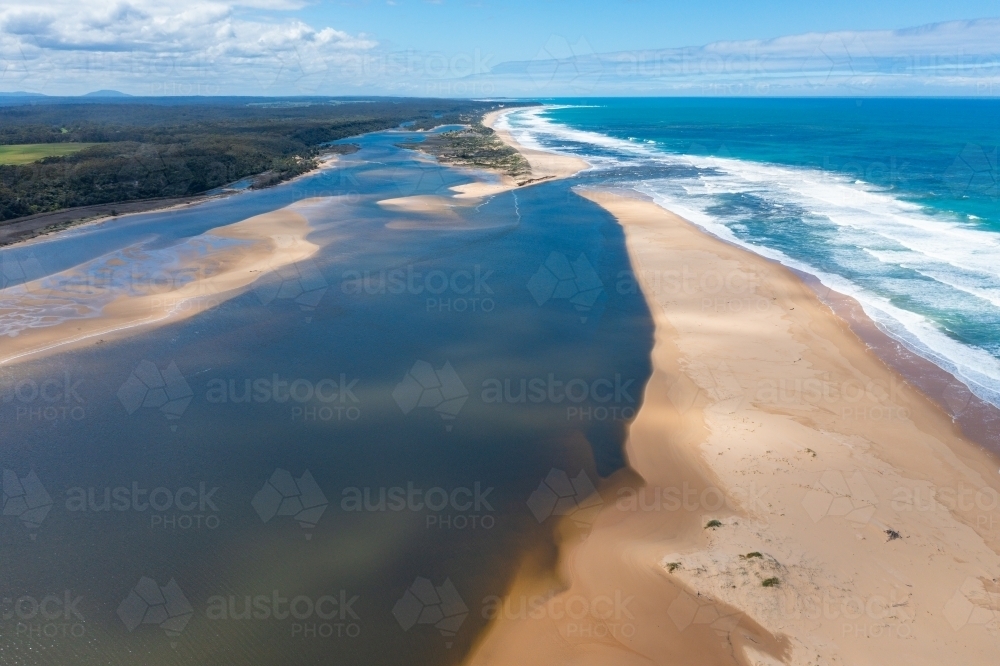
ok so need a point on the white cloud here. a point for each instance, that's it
(247, 47)
(176, 47)
(959, 57)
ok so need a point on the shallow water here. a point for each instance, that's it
(394, 358)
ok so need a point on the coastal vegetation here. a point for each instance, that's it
(106, 153)
(477, 147)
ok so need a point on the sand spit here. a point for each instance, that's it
(856, 525)
(114, 296)
(545, 166)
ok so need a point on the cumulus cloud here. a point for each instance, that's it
(181, 46)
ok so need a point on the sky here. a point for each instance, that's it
(488, 48)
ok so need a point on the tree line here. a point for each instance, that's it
(154, 150)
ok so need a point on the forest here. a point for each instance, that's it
(151, 149)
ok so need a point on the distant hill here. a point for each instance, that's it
(106, 93)
(21, 93)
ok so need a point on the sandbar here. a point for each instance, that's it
(89, 304)
(858, 501)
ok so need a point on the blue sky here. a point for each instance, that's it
(516, 29)
(539, 48)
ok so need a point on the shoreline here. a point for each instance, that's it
(211, 268)
(836, 479)
(24, 230)
(978, 420)
(545, 167)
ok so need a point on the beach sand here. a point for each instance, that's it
(545, 166)
(69, 309)
(875, 521)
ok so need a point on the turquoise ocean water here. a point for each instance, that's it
(895, 202)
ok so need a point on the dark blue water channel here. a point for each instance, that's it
(220, 490)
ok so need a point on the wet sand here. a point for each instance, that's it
(872, 518)
(545, 167)
(70, 309)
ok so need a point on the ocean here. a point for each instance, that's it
(895, 202)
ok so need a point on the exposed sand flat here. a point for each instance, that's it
(827, 472)
(69, 309)
(427, 204)
(545, 166)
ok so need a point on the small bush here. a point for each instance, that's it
(771, 582)
(713, 523)
(673, 566)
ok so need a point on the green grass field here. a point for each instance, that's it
(32, 152)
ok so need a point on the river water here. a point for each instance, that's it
(344, 463)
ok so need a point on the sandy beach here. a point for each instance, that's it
(545, 166)
(70, 309)
(790, 498)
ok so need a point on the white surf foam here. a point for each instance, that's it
(866, 224)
